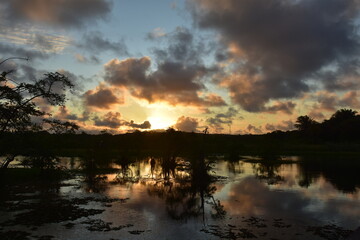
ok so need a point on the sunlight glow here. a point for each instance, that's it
(160, 122)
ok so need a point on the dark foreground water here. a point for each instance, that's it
(245, 199)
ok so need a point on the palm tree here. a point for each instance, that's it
(343, 115)
(304, 123)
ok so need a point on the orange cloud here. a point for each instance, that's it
(63, 13)
(102, 97)
(186, 124)
(171, 82)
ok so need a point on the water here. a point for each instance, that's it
(293, 199)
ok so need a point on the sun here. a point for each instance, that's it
(160, 122)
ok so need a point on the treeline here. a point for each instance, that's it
(339, 133)
(342, 126)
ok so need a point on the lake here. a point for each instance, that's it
(291, 198)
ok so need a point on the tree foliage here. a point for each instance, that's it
(343, 115)
(20, 109)
(343, 125)
(304, 123)
(19, 102)
(59, 127)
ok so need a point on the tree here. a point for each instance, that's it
(304, 123)
(19, 104)
(58, 127)
(343, 115)
(18, 101)
(343, 125)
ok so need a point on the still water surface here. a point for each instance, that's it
(292, 199)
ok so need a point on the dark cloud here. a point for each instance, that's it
(59, 13)
(253, 129)
(330, 102)
(24, 72)
(221, 119)
(20, 72)
(327, 101)
(182, 47)
(77, 80)
(95, 43)
(31, 54)
(144, 125)
(113, 120)
(128, 72)
(41, 41)
(316, 114)
(46, 42)
(343, 76)
(350, 99)
(283, 126)
(110, 120)
(186, 124)
(285, 107)
(102, 97)
(177, 80)
(65, 114)
(277, 45)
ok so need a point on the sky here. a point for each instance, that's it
(233, 66)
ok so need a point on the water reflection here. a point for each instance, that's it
(200, 193)
(268, 171)
(342, 175)
(185, 185)
(190, 187)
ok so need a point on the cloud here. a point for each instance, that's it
(273, 47)
(58, 13)
(327, 101)
(283, 126)
(95, 43)
(144, 125)
(83, 59)
(12, 50)
(34, 39)
(178, 79)
(77, 80)
(156, 33)
(102, 97)
(285, 107)
(110, 119)
(316, 114)
(220, 119)
(20, 72)
(253, 129)
(330, 102)
(65, 114)
(171, 82)
(342, 76)
(113, 120)
(350, 99)
(24, 72)
(48, 43)
(186, 124)
(213, 99)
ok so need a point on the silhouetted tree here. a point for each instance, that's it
(59, 127)
(19, 103)
(304, 123)
(343, 115)
(343, 125)
(18, 100)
